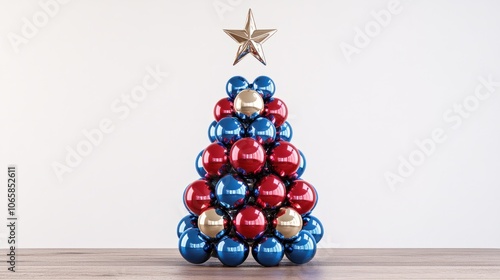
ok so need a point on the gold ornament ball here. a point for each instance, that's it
(248, 102)
(211, 223)
(288, 222)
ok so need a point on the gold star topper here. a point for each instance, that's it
(250, 39)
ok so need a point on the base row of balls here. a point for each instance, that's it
(267, 250)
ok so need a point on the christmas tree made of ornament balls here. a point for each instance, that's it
(251, 196)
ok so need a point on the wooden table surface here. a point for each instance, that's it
(328, 264)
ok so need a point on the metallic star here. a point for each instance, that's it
(250, 39)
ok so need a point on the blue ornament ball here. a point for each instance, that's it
(314, 227)
(199, 165)
(235, 85)
(231, 251)
(231, 191)
(285, 132)
(193, 247)
(302, 249)
(211, 132)
(302, 165)
(265, 86)
(186, 223)
(228, 130)
(268, 251)
(262, 130)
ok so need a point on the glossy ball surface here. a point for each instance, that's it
(235, 85)
(211, 132)
(228, 130)
(268, 251)
(303, 249)
(214, 159)
(264, 85)
(185, 223)
(302, 196)
(248, 104)
(247, 156)
(231, 191)
(288, 223)
(223, 108)
(314, 227)
(250, 222)
(302, 166)
(276, 111)
(231, 251)
(262, 130)
(270, 192)
(212, 223)
(284, 159)
(285, 132)
(193, 247)
(197, 197)
(199, 165)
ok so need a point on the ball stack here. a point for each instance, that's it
(251, 195)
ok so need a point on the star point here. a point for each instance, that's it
(250, 39)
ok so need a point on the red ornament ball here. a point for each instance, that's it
(284, 159)
(302, 196)
(271, 192)
(247, 156)
(276, 111)
(250, 222)
(214, 159)
(197, 196)
(223, 108)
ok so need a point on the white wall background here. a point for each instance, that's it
(351, 119)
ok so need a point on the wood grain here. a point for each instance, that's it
(328, 264)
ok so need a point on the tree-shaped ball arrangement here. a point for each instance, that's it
(250, 196)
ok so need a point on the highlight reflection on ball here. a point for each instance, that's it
(211, 223)
(248, 103)
(288, 222)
